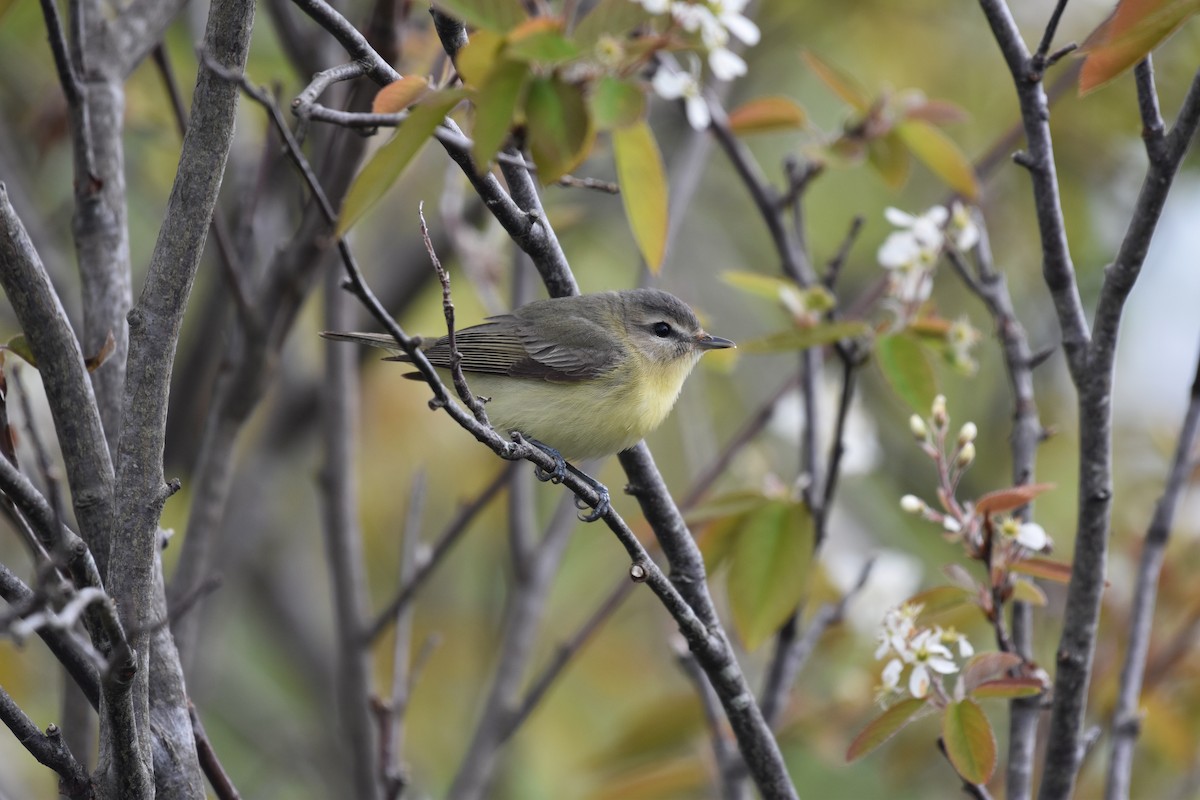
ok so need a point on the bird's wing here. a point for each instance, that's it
(510, 345)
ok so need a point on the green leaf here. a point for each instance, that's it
(500, 16)
(495, 104)
(613, 18)
(907, 370)
(767, 114)
(643, 190)
(939, 152)
(767, 287)
(386, 166)
(970, 743)
(541, 39)
(559, 127)
(768, 573)
(884, 727)
(476, 61)
(727, 505)
(616, 103)
(802, 338)
(1007, 688)
(716, 541)
(890, 158)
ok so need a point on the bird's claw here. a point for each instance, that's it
(555, 475)
(601, 508)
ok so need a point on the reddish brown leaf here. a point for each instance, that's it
(93, 362)
(767, 114)
(985, 666)
(1010, 499)
(1135, 28)
(399, 95)
(1058, 571)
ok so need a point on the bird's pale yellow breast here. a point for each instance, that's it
(591, 418)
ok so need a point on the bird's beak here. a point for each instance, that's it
(706, 341)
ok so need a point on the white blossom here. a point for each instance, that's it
(675, 85)
(654, 6)
(726, 64)
(740, 27)
(964, 233)
(949, 636)
(890, 678)
(912, 504)
(1032, 536)
(926, 654)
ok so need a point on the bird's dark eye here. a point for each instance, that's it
(661, 329)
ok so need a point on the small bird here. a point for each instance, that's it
(582, 376)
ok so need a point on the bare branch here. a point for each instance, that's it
(1126, 715)
(48, 748)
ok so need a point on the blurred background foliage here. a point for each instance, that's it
(623, 721)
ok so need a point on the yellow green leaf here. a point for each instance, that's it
(938, 151)
(906, 367)
(19, 346)
(643, 190)
(1007, 688)
(970, 743)
(884, 727)
(768, 570)
(662, 726)
(495, 104)
(476, 61)
(1028, 592)
(493, 15)
(616, 103)
(842, 84)
(558, 126)
(613, 18)
(540, 39)
(399, 95)
(803, 338)
(767, 114)
(768, 287)
(1135, 28)
(890, 158)
(386, 166)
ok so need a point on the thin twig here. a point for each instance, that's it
(456, 528)
(218, 778)
(1126, 716)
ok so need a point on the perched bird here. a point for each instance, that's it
(581, 376)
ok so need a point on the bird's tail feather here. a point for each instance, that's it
(383, 341)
